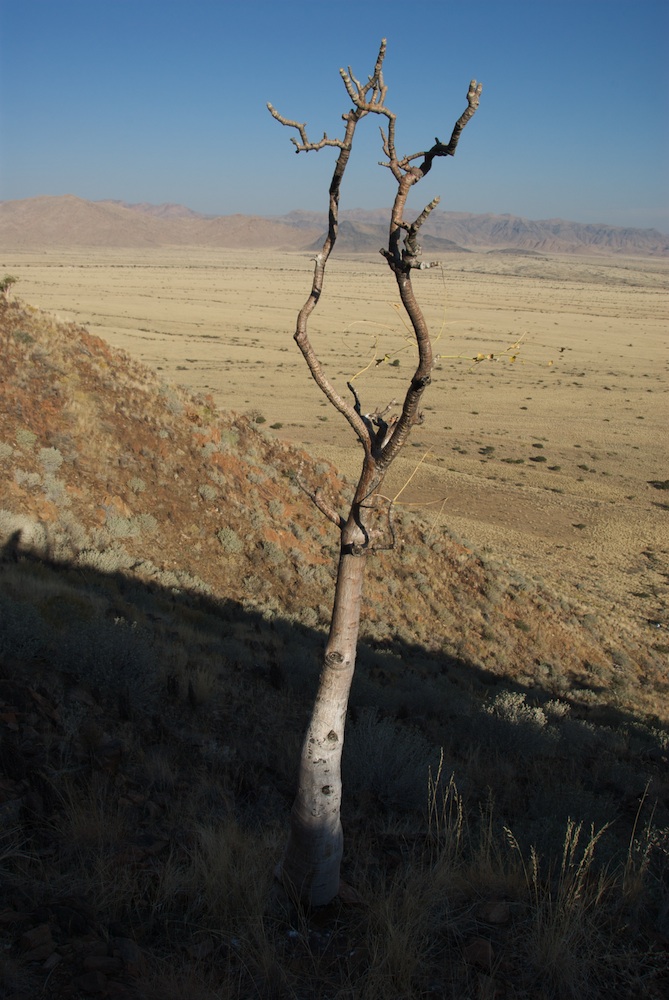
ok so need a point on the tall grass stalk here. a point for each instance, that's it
(445, 814)
(564, 940)
(639, 853)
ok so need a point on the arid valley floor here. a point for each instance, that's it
(546, 461)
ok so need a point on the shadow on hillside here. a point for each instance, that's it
(165, 611)
(171, 661)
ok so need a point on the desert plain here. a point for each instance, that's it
(549, 454)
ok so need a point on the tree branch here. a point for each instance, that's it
(305, 146)
(358, 93)
(318, 500)
(381, 439)
(441, 149)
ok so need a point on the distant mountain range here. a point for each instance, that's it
(70, 221)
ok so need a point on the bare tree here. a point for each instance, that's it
(311, 864)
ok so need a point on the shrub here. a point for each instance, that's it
(388, 760)
(28, 479)
(25, 438)
(518, 727)
(121, 527)
(55, 491)
(276, 509)
(22, 632)
(273, 553)
(108, 561)
(230, 540)
(229, 439)
(32, 534)
(309, 617)
(6, 283)
(172, 401)
(207, 492)
(114, 655)
(130, 527)
(51, 459)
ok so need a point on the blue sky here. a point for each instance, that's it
(164, 100)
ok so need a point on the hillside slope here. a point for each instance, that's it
(101, 456)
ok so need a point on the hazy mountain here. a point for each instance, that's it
(495, 232)
(549, 236)
(364, 237)
(167, 210)
(68, 220)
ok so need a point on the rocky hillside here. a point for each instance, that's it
(105, 464)
(70, 221)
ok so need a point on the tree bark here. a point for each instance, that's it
(313, 855)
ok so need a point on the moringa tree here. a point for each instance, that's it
(312, 859)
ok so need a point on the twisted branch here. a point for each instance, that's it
(305, 146)
(381, 438)
(319, 501)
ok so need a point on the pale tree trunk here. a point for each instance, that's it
(311, 865)
(313, 855)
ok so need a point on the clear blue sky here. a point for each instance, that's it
(164, 100)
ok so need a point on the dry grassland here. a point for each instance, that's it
(545, 466)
